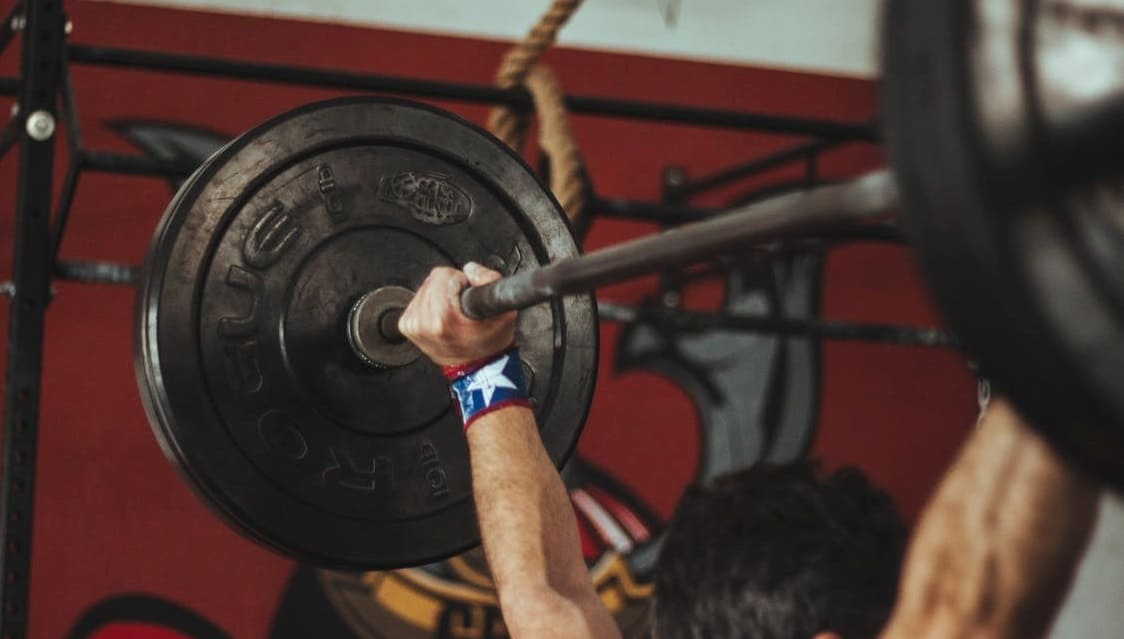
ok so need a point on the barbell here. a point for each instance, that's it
(275, 379)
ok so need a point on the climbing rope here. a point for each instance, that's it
(520, 67)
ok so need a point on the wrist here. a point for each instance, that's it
(488, 384)
(455, 371)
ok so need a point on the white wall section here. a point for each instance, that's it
(837, 37)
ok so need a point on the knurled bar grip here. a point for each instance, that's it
(864, 199)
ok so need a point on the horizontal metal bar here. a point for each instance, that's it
(98, 272)
(107, 162)
(863, 200)
(691, 321)
(670, 214)
(773, 189)
(9, 86)
(675, 215)
(754, 167)
(476, 93)
(679, 319)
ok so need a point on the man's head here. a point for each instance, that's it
(780, 552)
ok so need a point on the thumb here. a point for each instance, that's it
(479, 275)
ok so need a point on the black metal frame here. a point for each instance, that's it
(42, 55)
(44, 88)
(481, 94)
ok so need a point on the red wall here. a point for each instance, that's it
(111, 514)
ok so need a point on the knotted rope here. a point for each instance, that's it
(520, 67)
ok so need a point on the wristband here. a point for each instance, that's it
(486, 385)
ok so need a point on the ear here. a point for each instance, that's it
(827, 635)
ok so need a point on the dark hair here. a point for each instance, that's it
(779, 552)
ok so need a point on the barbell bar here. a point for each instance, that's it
(867, 199)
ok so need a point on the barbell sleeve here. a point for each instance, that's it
(869, 198)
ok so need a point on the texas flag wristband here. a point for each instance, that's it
(487, 385)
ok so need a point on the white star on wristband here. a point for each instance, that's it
(489, 378)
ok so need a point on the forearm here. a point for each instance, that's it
(530, 533)
(997, 547)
